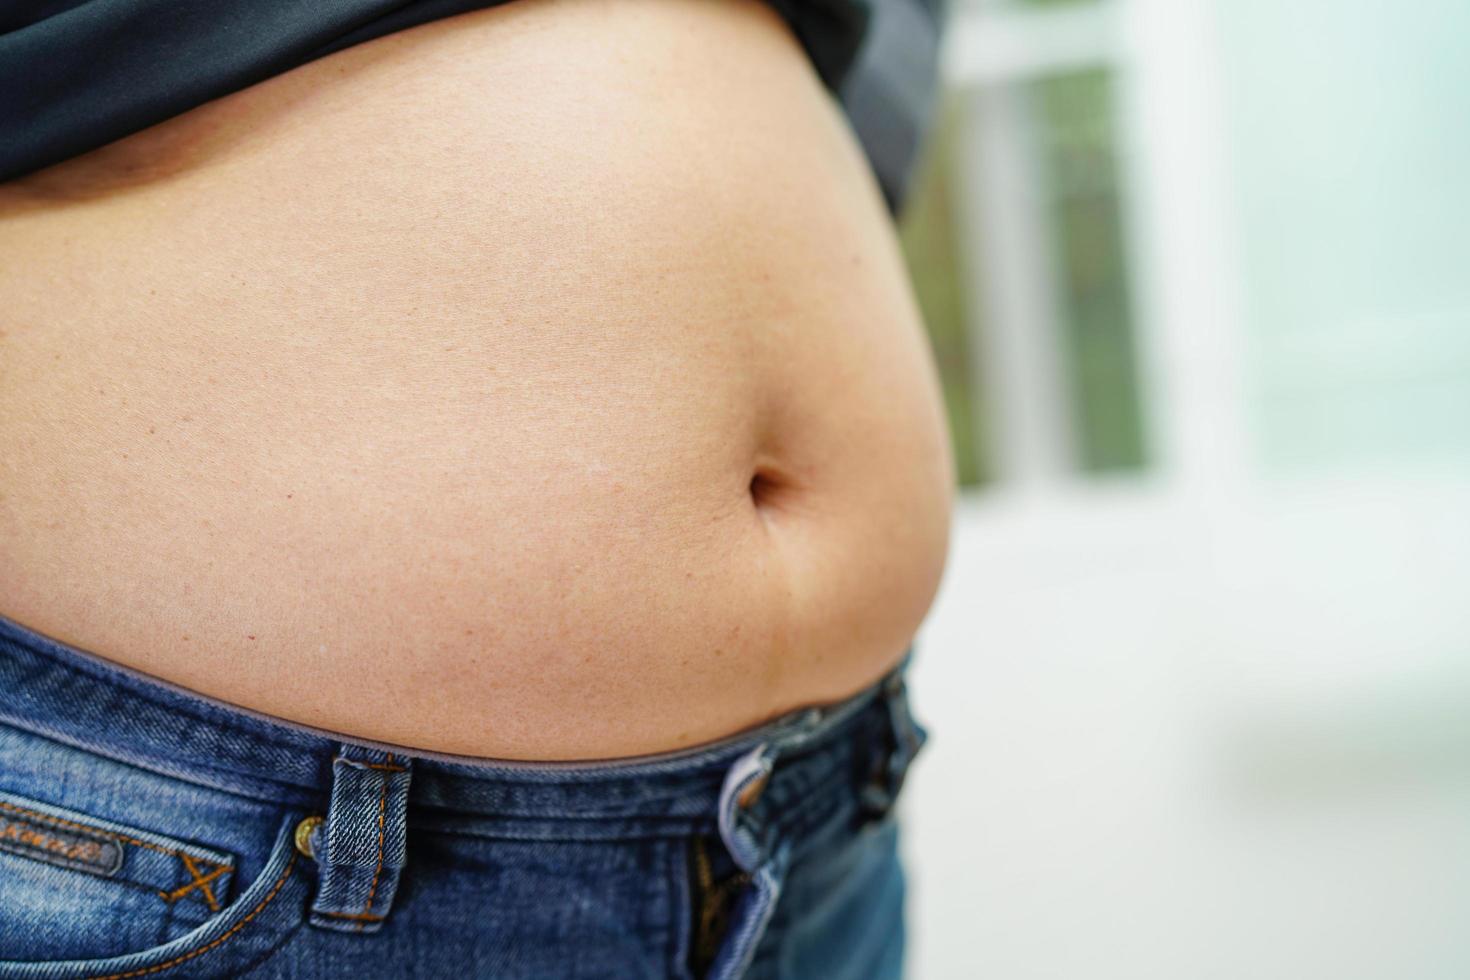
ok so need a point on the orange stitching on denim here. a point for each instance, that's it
(364, 916)
(111, 835)
(362, 764)
(200, 882)
(96, 831)
(382, 813)
(88, 849)
(204, 949)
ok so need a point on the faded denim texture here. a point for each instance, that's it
(147, 831)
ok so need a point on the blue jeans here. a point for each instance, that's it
(149, 832)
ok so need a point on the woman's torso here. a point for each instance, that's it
(539, 383)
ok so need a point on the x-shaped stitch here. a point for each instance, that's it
(201, 882)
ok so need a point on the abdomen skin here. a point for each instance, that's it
(542, 383)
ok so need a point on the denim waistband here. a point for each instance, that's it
(79, 699)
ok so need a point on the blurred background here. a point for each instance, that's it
(1198, 679)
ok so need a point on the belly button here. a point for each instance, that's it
(764, 488)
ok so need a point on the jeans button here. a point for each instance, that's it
(304, 830)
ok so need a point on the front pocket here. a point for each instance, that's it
(251, 928)
(74, 885)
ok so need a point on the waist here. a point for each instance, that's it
(73, 698)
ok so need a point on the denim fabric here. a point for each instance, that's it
(147, 831)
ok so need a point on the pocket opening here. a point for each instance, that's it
(264, 914)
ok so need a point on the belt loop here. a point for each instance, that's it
(744, 782)
(903, 739)
(763, 860)
(362, 845)
(908, 735)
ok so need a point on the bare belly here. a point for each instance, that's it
(540, 384)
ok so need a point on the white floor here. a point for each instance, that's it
(1211, 740)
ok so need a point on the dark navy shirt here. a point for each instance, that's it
(75, 74)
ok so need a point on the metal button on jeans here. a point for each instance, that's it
(304, 830)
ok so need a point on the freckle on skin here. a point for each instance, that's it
(250, 636)
(150, 430)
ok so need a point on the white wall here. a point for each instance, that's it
(1215, 722)
(1169, 743)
